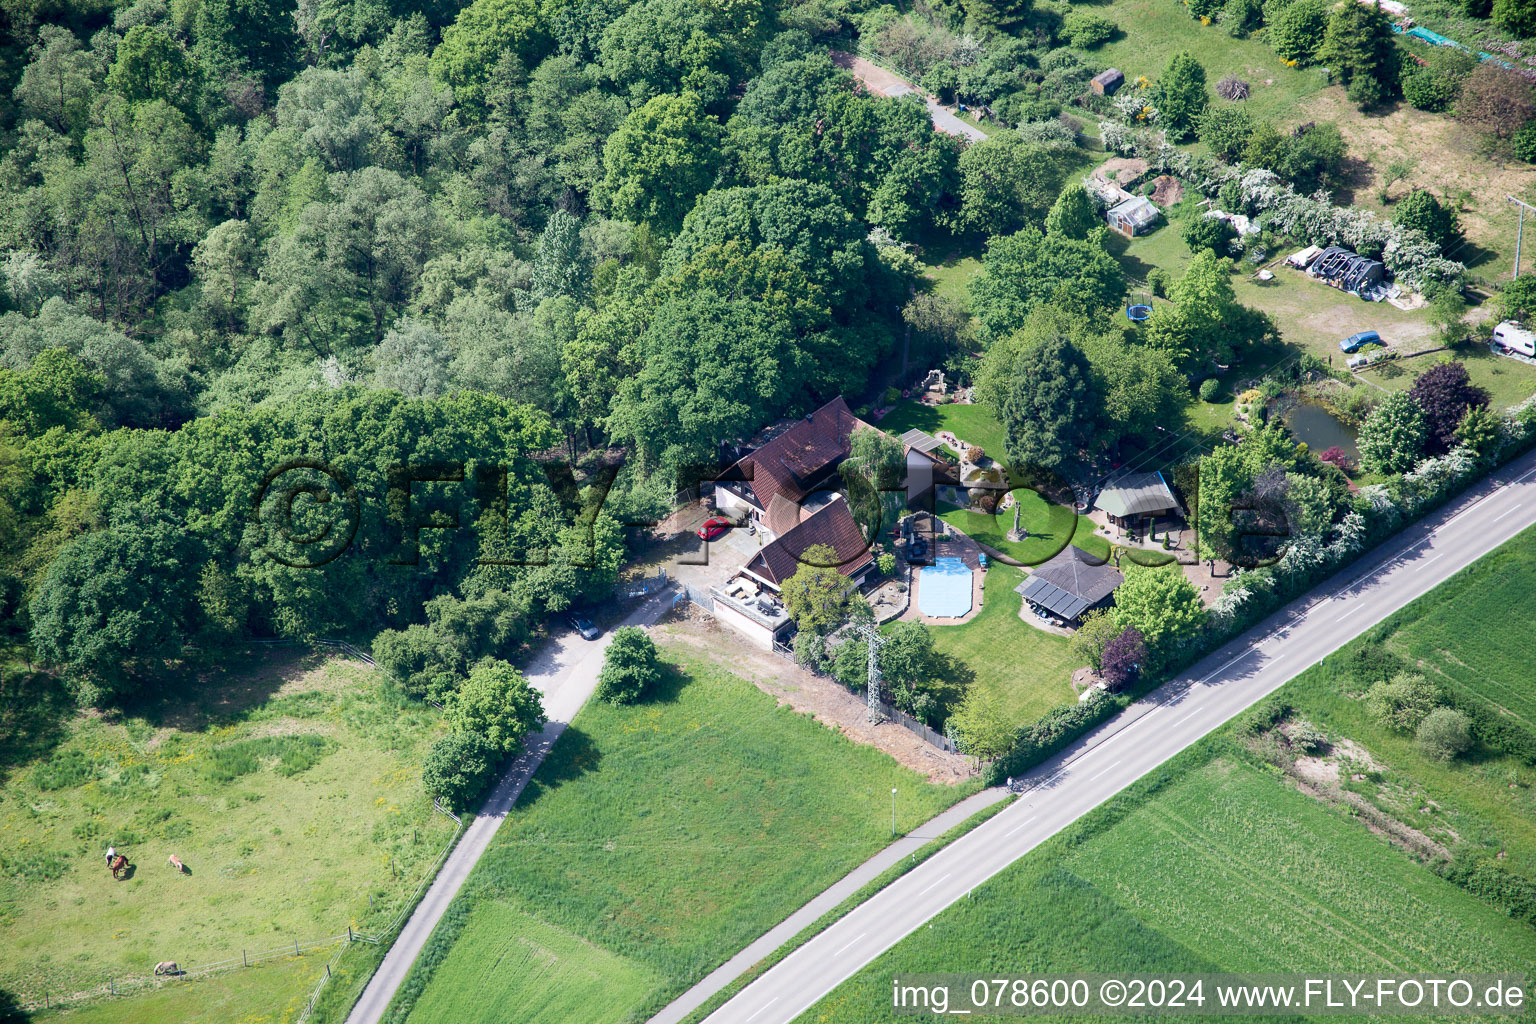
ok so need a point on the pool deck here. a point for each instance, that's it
(958, 545)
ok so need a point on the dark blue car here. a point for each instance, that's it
(1355, 342)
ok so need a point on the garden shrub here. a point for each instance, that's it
(1086, 30)
(457, 769)
(1444, 734)
(630, 668)
(1403, 701)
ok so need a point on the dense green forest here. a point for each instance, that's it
(359, 236)
(344, 237)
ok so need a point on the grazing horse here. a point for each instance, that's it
(119, 867)
(177, 864)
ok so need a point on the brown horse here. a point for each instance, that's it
(119, 867)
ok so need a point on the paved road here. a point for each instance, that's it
(829, 898)
(565, 671)
(1147, 734)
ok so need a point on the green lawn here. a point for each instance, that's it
(976, 424)
(950, 272)
(1226, 869)
(657, 840)
(539, 974)
(1050, 527)
(1025, 671)
(268, 993)
(1507, 381)
(290, 789)
(1154, 30)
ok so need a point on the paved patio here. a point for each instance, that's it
(953, 544)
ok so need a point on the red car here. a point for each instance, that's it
(714, 526)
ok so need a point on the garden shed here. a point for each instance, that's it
(1070, 584)
(1137, 496)
(1133, 216)
(1105, 83)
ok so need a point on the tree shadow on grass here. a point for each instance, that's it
(1133, 266)
(34, 707)
(573, 756)
(222, 688)
(10, 1008)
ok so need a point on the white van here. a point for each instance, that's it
(1511, 337)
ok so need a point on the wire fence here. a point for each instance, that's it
(115, 986)
(399, 919)
(335, 645)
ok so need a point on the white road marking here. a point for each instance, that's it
(765, 1006)
(1187, 717)
(1501, 515)
(1422, 565)
(845, 948)
(1019, 826)
(1106, 770)
(936, 882)
(1230, 663)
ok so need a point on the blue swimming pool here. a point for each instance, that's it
(944, 588)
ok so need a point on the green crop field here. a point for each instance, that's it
(1254, 876)
(1226, 869)
(1465, 636)
(538, 973)
(290, 789)
(1026, 670)
(1474, 643)
(657, 840)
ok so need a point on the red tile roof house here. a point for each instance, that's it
(793, 476)
(789, 488)
(749, 602)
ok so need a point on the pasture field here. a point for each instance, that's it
(290, 789)
(268, 993)
(657, 840)
(1223, 869)
(1026, 670)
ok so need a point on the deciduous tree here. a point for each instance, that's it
(631, 667)
(497, 704)
(1393, 436)
(1443, 394)
(1163, 606)
(817, 594)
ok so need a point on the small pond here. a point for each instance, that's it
(1318, 427)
